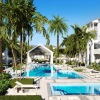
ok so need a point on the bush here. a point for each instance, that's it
(71, 62)
(18, 67)
(35, 97)
(6, 76)
(79, 69)
(95, 66)
(4, 84)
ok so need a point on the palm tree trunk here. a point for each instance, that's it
(57, 45)
(28, 43)
(0, 55)
(14, 57)
(21, 44)
(0, 40)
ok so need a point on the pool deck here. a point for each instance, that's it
(44, 89)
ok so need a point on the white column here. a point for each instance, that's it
(87, 55)
(51, 71)
(28, 58)
(84, 57)
(92, 52)
(51, 58)
(28, 72)
(92, 90)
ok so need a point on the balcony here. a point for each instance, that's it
(97, 51)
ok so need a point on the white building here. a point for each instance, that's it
(93, 46)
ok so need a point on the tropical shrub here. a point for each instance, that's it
(4, 84)
(95, 66)
(17, 67)
(5, 76)
(71, 62)
(79, 69)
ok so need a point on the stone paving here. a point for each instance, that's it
(44, 90)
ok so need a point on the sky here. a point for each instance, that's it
(78, 12)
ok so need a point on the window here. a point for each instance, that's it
(99, 20)
(91, 25)
(96, 46)
(95, 24)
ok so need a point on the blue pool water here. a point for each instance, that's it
(45, 71)
(40, 70)
(75, 89)
(67, 74)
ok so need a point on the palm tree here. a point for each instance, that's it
(58, 26)
(18, 26)
(76, 43)
(20, 13)
(70, 46)
(69, 43)
(12, 44)
(39, 22)
(82, 38)
(0, 37)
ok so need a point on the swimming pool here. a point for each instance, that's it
(39, 70)
(67, 74)
(75, 89)
(44, 70)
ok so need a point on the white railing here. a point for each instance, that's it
(96, 51)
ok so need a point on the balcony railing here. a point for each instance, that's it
(97, 51)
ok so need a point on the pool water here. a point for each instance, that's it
(41, 70)
(76, 89)
(67, 74)
(45, 71)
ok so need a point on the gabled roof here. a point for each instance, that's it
(42, 47)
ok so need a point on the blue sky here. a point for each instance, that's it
(78, 12)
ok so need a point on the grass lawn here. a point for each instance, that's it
(36, 97)
(23, 81)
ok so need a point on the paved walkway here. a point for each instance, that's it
(44, 89)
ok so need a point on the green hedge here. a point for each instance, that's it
(36, 97)
(23, 81)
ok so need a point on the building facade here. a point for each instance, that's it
(93, 47)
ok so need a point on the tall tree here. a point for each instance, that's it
(39, 23)
(82, 38)
(70, 45)
(0, 37)
(58, 27)
(76, 43)
(19, 14)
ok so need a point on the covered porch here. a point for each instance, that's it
(40, 53)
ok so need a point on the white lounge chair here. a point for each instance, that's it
(92, 74)
(25, 85)
(37, 79)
